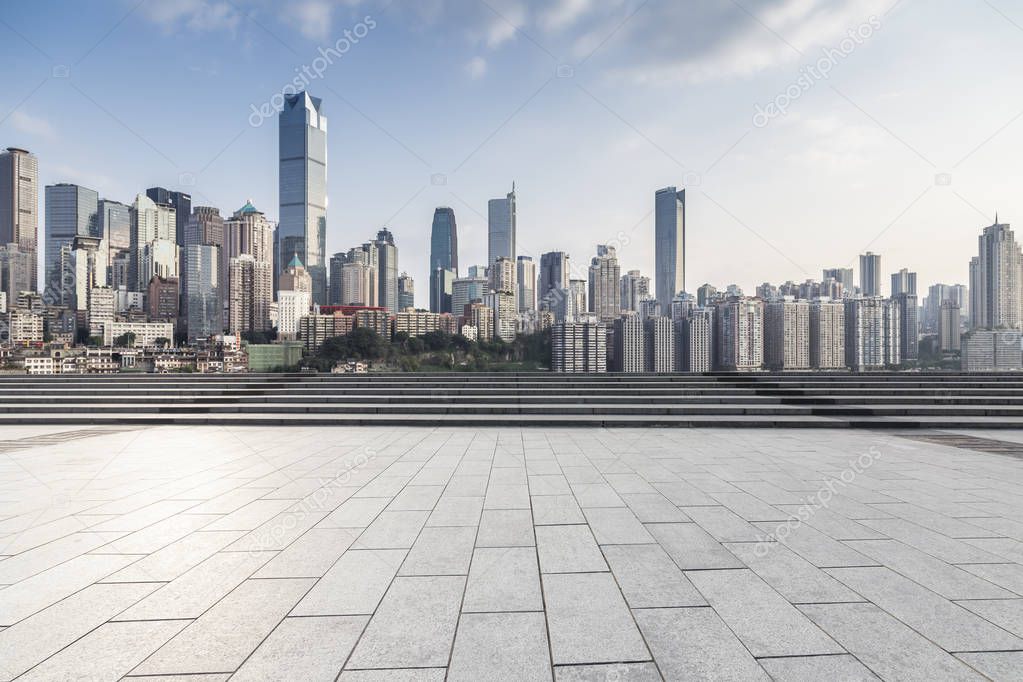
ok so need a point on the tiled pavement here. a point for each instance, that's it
(487, 554)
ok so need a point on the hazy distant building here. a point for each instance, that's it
(938, 294)
(903, 282)
(996, 279)
(205, 227)
(248, 307)
(909, 325)
(872, 334)
(787, 335)
(554, 274)
(302, 136)
(706, 295)
(669, 244)
(153, 244)
(604, 284)
(17, 270)
(827, 335)
(950, 324)
(525, 279)
(465, 290)
(579, 347)
(19, 204)
(842, 275)
(501, 228)
(986, 350)
(634, 288)
(740, 334)
(406, 291)
(870, 274)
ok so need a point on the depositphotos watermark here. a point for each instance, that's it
(810, 75)
(307, 73)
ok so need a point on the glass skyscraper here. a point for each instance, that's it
(443, 257)
(71, 211)
(302, 131)
(669, 245)
(501, 228)
(19, 204)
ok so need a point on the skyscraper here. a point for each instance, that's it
(152, 236)
(827, 335)
(387, 270)
(525, 276)
(406, 292)
(248, 233)
(740, 334)
(205, 299)
(441, 282)
(205, 227)
(870, 275)
(604, 284)
(444, 240)
(843, 275)
(182, 204)
(634, 288)
(996, 278)
(629, 344)
(19, 204)
(302, 132)
(115, 228)
(871, 333)
(554, 275)
(71, 210)
(501, 226)
(669, 244)
(787, 335)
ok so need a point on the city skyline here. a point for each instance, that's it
(802, 177)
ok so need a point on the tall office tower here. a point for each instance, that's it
(695, 340)
(844, 276)
(294, 298)
(706, 295)
(182, 205)
(444, 240)
(501, 227)
(660, 345)
(871, 333)
(950, 324)
(115, 229)
(634, 288)
(870, 274)
(577, 295)
(909, 325)
(502, 276)
(19, 204)
(152, 240)
(17, 270)
(604, 284)
(359, 279)
(740, 334)
(465, 290)
(248, 232)
(248, 305)
(996, 277)
(579, 347)
(827, 335)
(505, 308)
(406, 292)
(205, 306)
(204, 227)
(441, 289)
(554, 274)
(89, 256)
(71, 211)
(525, 278)
(787, 335)
(904, 282)
(302, 133)
(669, 244)
(336, 262)
(387, 270)
(629, 344)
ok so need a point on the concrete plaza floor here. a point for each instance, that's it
(361, 553)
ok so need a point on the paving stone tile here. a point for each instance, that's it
(690, 547)
(589, 621)
(939, 523)
(568, 549)
(556, 510)
(152, 538)
(814, 546)
(653, 508)
(251, 516)
(1004, 548)
(304, 649)
(793, 577)
(555, 484)
(506, 528)
(311, 555)
(723, 524)
(596, 495)
(176, 558)
(813, 668)
(503, 579)
(889, 648)
(39, 559)
(392, 530)
(649, 578)
(937, 545)
(626, 672)
(943, 622)
(616, 526)
(684, 494)
(694, 644)
(414, 625)
(356, 512)
(500, 646)
(761, 618)
(1009, 576)
(1005, 613)
(223, 637)
(416, 498)
(456, 511)
(354, 585)
(834, 525)
(1000, 666)
(507, 496)
(405, 675)
(749, 507)
(440, 551)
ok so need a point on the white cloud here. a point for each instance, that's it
(193, 15)
(312, 18)
(32, 125)
(565, 13)
(476, 68)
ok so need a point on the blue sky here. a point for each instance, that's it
(650, 94)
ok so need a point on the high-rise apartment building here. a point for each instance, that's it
(294, 299)
(740, 334)
(950, 324)
(302, 133)
(579, 347)
(629, 344)
(695, 341)
(870, 274)
(153, 245)
(501, 228)
(987, 350)
(706, 295)
(182, 205)
(787, 335)
(248, 233)
(660, 345)
(872, 334)
(71, 211)
(248, 306)
(996, 280)
(844, 276)
(909, 325)
(604, 284)
(17, 270)
(634, 288)
(827, 335)
(502, 276)
(19, 204)
(903, 282)
(525, 279)
(669, 244)
(359, 279)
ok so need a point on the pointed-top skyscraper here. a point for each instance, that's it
(501, 228)
(302, 130)
(669, 244)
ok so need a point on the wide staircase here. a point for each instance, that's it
(927, 400)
